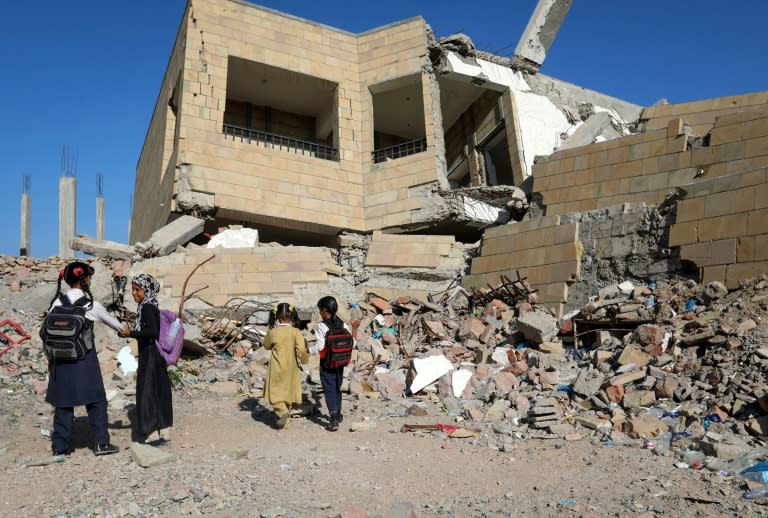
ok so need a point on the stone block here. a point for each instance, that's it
(638, 398)
(588, 382)
(537, 326)
(629, 377)
(645, 426)
(634, 356)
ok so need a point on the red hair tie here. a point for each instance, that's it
(78, 271)
(61, 273)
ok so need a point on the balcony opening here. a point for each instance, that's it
(280, 109)
(474, 126)
(399, 129)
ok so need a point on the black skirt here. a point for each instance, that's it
(76, 382)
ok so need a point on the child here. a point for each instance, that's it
(288, 347)
(78, 382)
(154, 405)
(330, 378)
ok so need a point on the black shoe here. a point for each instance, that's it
(105, 449)
(63, 452)
(333, 425)
(340, 418)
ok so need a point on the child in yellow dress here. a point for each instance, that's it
(283, 388)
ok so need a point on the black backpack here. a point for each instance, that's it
(338, 347)
(67, 334)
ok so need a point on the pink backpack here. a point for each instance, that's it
(171, 337)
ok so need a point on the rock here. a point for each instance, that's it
(615, 393)
(471, 328)
(713, 291)
(645, 426)
(236, 453)
(633, 355)
(389, 384)
(592, 422)
(639, 398)
(623, 379)
(147, 456)
(758, 425)
(588, 382)
(359, 426)
(505, 382)
(537, 326)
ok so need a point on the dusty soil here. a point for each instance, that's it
(231, 461)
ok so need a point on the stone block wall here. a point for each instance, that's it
(721, 221)
(155, 171)
(644, 168)
(410, 251)
(701, 115)
(266, 272)
(722, 227)
(544, 251)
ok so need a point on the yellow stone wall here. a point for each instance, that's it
(544, 252)
(244, 272)
(155, 171)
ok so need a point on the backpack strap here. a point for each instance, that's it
(82, 301)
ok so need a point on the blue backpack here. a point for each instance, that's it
(171, 338)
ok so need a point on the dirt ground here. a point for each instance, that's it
(231, 461)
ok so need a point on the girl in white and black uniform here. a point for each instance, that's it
(78, 382)
(330, 379)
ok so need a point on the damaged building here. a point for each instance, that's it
(303, 130)
(391, 148)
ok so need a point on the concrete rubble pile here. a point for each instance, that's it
(667, 363)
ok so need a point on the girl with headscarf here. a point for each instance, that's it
(154, 405)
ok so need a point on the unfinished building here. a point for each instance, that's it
(312, 134)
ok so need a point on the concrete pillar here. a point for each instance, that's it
(100, 218)
(26, 224)
(67, 214)
(539, 34)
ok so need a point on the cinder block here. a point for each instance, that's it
(712, 274)
(735, 273)
(757, 222)
(710, 253)
(683, 233)
(756, 147)
(731, 225)
(745, 250)
(761, 248)
(730, 202)
(675, 128)
(691, 209)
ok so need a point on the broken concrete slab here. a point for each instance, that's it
(102, 248)
(147, 456)
(165, 240)
(537, 326)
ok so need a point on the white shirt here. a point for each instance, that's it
(320, 331)
(94, 312)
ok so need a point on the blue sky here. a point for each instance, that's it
(86, 74)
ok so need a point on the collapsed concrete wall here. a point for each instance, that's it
(645, 205)
(544, 251)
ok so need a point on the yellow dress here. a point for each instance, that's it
(284, 377)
